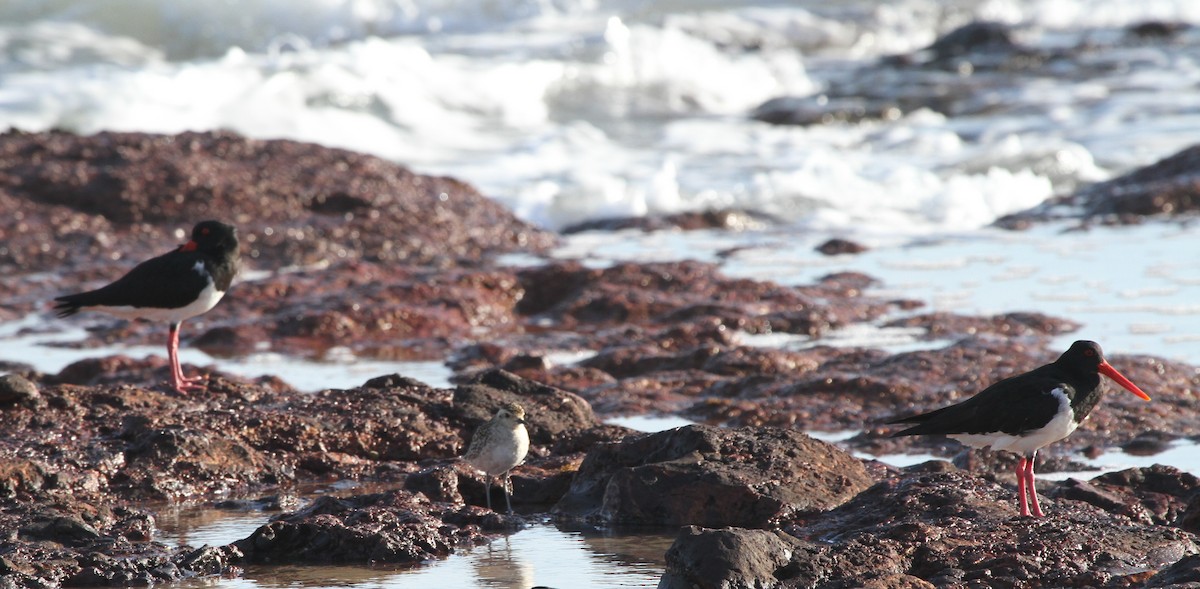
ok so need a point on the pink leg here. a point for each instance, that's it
(1037, 510)
(178, 380)
(1020, 470)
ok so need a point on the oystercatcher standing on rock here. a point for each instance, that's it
(178, 285)
(1024, 413)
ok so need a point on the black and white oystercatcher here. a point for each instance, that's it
(177, 285)
(1027, 412)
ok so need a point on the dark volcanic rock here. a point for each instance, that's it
(981, 56)
(669, 294)
(1157, 495)
(730, 219)
(63, 463)
(709, 476)
(932, 529)
(1009, 324)
(835, 389)
(74, 543)
(396, 527)
(1185, 573)
(238, 437)
(838, 246)
(729, 557)
(1169, 187)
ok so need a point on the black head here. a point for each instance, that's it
(1085, 358)
(213, 237)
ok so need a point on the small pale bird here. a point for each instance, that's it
(178, 285)
(498, 446)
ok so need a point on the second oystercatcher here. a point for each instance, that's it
(1027, 412)
(175, 286)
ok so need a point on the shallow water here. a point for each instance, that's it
(1135, 289)
(541, 554)
(571, 110)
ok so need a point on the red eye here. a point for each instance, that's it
(1089, 352)
(204, 231)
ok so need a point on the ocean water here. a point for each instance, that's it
(574, 110)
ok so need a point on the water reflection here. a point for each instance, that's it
(544, 554)
(497, 565)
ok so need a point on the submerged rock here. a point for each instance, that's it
(730, 219)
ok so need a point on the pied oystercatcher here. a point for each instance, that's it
(1027, 412)
(177, 285)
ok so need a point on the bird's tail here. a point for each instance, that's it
(67, 305)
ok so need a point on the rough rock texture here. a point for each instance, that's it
(65, 541)
(1168, 187)
(295, 203)
(364, 236)
(929, 529)
(238, 436)
(713, 477)
(1156, 495)
(836, 389)
(69, 463)
(396, 527)
(349, 256)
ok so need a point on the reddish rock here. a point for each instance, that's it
(580, 299)
(927, 529)
(942, 324)
(1157, 495)
(396, 527)
(713, 477)
(295, 203)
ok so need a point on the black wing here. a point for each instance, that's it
(169, 281)
(1014, 406)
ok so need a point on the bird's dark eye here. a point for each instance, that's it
(1089, 352)
(204, 231)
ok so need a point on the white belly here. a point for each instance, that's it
(207, 300)
(1059, 427)
(505, 453)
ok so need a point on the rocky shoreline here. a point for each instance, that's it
(347, 251)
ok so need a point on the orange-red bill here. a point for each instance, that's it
(190, 246)
(1107, 370)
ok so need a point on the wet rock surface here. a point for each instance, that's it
(72, 464)
(982, 55)
(927, 529)
(396, 527)
(364, 234)
(365, 259)
(1167, 188)
(727, 219)
(713, 477)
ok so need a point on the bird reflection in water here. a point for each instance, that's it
(497, 565)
